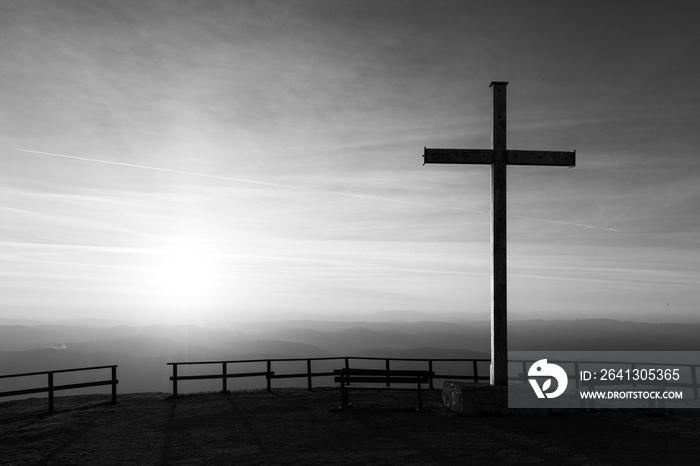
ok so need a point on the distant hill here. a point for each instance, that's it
(423, 353)
(602, 335)
(142, 352)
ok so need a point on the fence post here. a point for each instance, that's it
(694, 380)
(388, 384)
(347, 363)
(224, 378)
(577, 383)
(51, 392)
(308, 373)
(430, 369)
(114, 384)
(174, 379)
(475, 370)
(269, 376)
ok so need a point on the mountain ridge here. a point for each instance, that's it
(142, 352)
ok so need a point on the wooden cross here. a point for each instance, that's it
(498, 157)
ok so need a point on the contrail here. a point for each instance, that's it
(168, 170)
(559, 222)
(245, 180)
(298, 188)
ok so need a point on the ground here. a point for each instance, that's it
(295, 426)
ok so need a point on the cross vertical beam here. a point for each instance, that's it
(499, 295)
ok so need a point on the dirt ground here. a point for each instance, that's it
(294, 426)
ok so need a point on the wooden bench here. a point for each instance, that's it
(346, 377)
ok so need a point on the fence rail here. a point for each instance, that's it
(51, 387)
(309, 375)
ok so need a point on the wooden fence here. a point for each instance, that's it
(51, 388)
(309, 374)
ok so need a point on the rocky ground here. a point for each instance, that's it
(294, 426)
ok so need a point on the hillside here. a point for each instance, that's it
(299, 427)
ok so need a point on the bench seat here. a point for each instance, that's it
(347, 377)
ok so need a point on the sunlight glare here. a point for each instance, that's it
(184, 283)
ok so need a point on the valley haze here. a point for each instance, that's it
(142, 351)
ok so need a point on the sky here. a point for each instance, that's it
(202, 161)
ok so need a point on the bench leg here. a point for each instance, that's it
(420, 398)
(344, 401)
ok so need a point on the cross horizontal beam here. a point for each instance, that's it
(513, 157)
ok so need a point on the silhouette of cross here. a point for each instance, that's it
(498, 157)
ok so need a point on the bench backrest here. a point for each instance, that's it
(384, 372)
(383, 375)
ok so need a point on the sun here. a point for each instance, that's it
(183, 282)
(183, 274)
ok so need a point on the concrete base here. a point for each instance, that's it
(475, 398)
